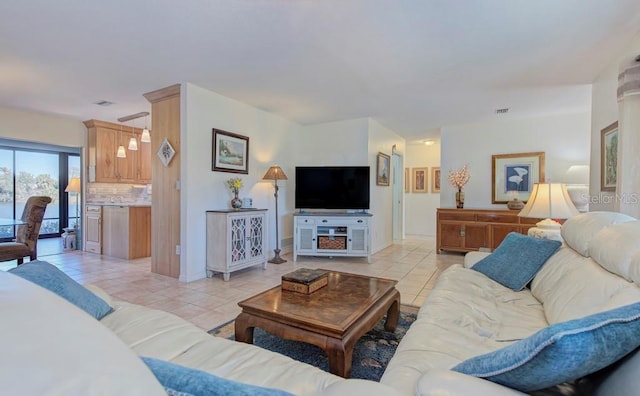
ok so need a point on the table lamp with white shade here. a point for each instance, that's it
(549, 201)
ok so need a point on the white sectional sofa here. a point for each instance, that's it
(467, 314)
(51, 347)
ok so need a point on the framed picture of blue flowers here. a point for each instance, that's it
(513, 175)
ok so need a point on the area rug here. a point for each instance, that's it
(370, 355)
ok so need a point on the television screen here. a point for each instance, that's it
(332, 187)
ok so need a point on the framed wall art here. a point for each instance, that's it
(420, 180)
(609, 157)
(383, 168)
(165, 152)
(435, 179)
(407, 180)
(513, 175)
(230, 152)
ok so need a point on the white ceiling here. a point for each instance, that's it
(413, 65)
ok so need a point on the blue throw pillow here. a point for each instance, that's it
(185, 381)
(561, 352)
(517, 260)
(50, 277)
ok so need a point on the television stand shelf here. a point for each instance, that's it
(332, 234)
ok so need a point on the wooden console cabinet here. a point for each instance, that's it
(465, 230)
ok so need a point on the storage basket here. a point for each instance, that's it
(332, 243)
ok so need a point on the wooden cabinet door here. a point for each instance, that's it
(144, 150)
(106, 147)
(499, 232)
(451, 236)
(129, 167)
(475, 236)
(115, 241)
(93, 230)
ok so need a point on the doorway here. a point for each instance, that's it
(398, 196)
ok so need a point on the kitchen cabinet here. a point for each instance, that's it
(126, 231)
(465, 230)
(93, 229)
(236, 239)
(104, 166)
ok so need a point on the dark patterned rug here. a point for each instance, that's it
(370, 355)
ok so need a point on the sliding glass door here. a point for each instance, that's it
(25, 173)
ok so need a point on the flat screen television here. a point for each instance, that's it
(332, 187)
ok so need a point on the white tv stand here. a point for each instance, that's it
(331, 234)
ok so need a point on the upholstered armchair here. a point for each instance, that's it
(26, 242)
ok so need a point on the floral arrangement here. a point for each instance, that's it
(235, 184)
(460, 177)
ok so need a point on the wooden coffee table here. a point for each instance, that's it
(333, 318)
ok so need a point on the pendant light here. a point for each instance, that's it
(121, 153)
(133, 143)
(146, 136)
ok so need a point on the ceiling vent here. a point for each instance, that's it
(504, 110)
(103, 103)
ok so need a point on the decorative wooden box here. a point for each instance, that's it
(305, 280)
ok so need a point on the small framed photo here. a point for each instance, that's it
(420, 180)
(165, 152)
(230, 152)
(609, 157)
(383, 169)
(435, 179)
(407, 180)
(513, 175)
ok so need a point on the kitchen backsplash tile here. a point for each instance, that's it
(118, 193)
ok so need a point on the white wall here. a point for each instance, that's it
(332, 143)
(382, 139)
(203, 189)
(420, 208)
(565, 140)
(604, 112)
(42, 128)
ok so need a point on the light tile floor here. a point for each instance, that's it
(208, 303)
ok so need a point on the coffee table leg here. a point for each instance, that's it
(244, 332)
(393, 313)
(339, 358)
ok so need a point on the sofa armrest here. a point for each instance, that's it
(473, 257)
(358, 387)
(439, 382)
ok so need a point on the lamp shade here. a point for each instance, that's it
(133, 144)
(549, 200)
(121, 153)
(146, 136)
(73, 186)
(275, 173)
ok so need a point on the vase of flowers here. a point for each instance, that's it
(458, 179)
(235, 184)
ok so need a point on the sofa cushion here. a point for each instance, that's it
(162, 335)
(571, 286)
(51, 347)
(517, 260)
(616, 248)
(50, 277)
(465, 315)
(184, 381)
(578, 231)
(562, 352)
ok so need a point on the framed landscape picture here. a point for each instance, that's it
(435, 179)
(609, 157)
(420, 180)
(513, 175)
(230, 152)
(382, 169)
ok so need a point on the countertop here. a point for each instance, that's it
(137, 204)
